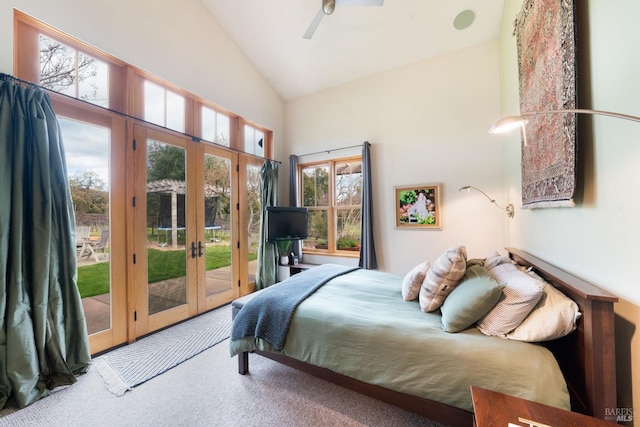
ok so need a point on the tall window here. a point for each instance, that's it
(332, 191)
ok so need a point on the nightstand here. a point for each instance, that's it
(497, 409)
(285, 271)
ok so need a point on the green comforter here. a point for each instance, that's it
(359, 325)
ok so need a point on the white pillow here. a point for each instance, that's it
(496, 259)
(553, 317)
(442, 278)
(519, 296)
(413, 280)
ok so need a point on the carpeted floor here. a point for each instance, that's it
(206, 390)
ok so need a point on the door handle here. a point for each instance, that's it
(193, 249)
(200, 252)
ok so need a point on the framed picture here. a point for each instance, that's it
(418, 206)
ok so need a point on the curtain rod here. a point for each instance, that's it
(333, 149)
(16, 80)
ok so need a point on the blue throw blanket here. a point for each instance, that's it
(269, 314)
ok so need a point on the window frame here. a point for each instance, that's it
(331, 208)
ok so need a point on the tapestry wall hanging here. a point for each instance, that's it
(545, 31)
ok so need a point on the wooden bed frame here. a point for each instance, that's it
(586, 356)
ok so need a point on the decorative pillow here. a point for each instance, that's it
(520, 295)
(496, 259)
(442, 278)
(413, 280)
(475, 295)
(553, 317)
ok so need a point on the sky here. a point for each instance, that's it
(86, 147)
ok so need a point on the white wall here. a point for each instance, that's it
(598, 239)
(180, 42)
(427, 123)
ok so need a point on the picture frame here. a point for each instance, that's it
(418, 206)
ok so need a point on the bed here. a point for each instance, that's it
(330, 337)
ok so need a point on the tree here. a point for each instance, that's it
(165, 161)
(89, 193)
(62, 67)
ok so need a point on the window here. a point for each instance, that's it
(332, 191)
(71, 72)
(253, 140)
(215, 126)
(163, 107)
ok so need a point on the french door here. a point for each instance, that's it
(95, 153)
(184, 209)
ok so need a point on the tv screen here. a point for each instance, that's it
(287, 223)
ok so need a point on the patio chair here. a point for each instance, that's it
(92, 247)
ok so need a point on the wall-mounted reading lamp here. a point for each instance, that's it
(510, 210)
(514, 122)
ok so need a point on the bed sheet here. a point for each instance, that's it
(358, 325)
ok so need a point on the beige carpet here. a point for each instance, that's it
(207, 391)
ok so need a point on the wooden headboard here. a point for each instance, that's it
(586, 356)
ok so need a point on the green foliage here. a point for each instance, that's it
(315, 186)
(348, 242)
(165, 161)
(430, 220)
(283, 247)
(163, 265)
(407, 197)
(89, 193)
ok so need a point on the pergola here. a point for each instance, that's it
(173, 187)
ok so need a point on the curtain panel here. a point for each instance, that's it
(296, 246)
(368, 258)
(267, 254)
(43, 337)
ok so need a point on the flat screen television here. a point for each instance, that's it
(287, 223)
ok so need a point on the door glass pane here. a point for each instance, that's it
(217, 244)
(254, 207)
(166, 225)
(87, 157)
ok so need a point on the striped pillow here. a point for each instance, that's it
(442, 278)
(520, 295)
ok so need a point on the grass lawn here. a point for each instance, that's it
(94, 279)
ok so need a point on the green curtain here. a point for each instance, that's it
(43, 338)
(267, 253)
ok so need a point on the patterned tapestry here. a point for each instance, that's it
(545, 31)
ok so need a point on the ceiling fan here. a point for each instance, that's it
(328, 6)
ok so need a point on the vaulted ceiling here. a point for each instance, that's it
(354, 41)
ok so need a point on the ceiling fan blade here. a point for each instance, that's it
(314, 25)
(359, 2)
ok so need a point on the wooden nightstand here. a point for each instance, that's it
(497, 409)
